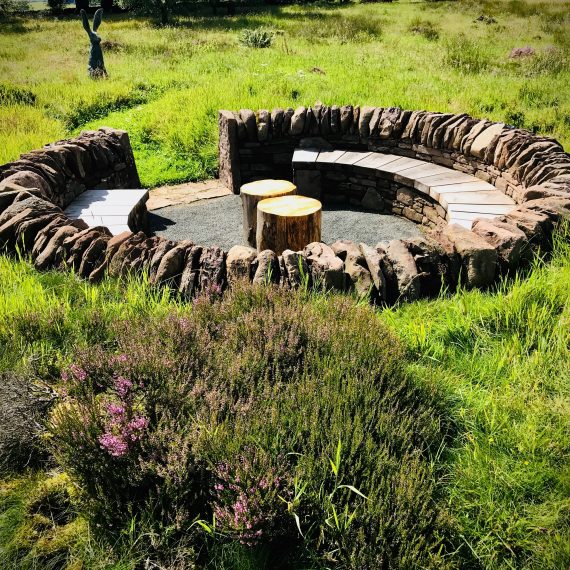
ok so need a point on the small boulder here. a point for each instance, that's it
(189, 280)
(296, 267)
(326, 268)
(401, 270)
(510, 242)
(212, 268)
(374, 261)
(478, 258)
(52, 254)
(266, 268)
(239, 263)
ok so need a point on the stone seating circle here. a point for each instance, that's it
(533, 171)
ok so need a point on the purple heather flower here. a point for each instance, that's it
(115, 409)
(123, 386)
(115, 445)
(139, 423)
(78, 372)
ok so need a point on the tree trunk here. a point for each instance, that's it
(252, 194)
(288, 222)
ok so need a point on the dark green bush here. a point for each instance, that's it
(259, 420)
(22, 408)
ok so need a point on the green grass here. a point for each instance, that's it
(493, 367)
(167, 84)
(498, 362)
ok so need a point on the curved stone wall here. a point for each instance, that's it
(34, 189)
(261, 145)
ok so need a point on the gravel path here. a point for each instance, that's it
(218, 222)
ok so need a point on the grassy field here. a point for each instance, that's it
(450, 416)
(478, 383)
(167, 84)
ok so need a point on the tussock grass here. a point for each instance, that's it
(504, 359)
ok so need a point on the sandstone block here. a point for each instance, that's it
(239, 263)
(507, 239)
(325, 267)
(478, 258)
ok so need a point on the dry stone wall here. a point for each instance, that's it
(260, 145)
(35, 188)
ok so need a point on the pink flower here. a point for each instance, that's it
(115, 409)
(78, 373)
(115, 445)
(123, 386)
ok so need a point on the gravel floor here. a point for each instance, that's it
(218, 222)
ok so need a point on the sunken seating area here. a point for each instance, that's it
(488, 196)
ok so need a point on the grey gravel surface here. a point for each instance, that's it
(218, 222)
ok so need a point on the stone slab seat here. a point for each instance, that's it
(464, 197)
(119, 210)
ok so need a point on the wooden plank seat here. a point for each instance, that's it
(462, 196)
(119, 210)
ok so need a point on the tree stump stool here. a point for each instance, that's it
(288, 222)
(252, 193)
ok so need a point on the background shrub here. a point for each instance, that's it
(425, 28)
(465, 55)
(258, 38)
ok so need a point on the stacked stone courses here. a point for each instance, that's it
(534, 171)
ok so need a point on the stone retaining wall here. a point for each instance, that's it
(348, 185)
(34, 189)
(260, 145)
(65, 169)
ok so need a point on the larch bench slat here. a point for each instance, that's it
(464, 197)
(111, 208)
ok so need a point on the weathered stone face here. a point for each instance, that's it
(266, 268)
(296, 268)
(325, 267)
(510, 242)
(478, 258)
(239, 263)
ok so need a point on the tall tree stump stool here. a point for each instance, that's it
(288, 222)
(252, 193)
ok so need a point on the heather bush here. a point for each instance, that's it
(261, 420)
(426, 28)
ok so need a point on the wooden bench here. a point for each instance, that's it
(119, 210)
(462, 196)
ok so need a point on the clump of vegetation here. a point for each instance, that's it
(465, 55)
(9, 7)
(426, 28)
(257, 38)
(288, 444)
(551, 60)
(22, 407)
(350, 28)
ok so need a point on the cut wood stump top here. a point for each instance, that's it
(268, 188)
(290, 206)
